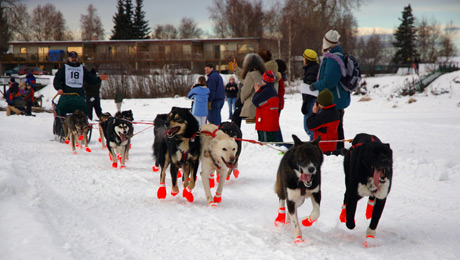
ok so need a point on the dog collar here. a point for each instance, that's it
(213, 134)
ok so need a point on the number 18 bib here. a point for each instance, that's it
(74, 76)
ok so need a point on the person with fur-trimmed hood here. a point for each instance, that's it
(324, 121)
(331, 71)
(267, 102)
(270, 64)
(251, 73)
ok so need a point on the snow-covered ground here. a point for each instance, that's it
(57, 205)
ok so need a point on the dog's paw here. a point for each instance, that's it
(298, 240)
(155, 168)
(228, 177)
(187, 193)
(100, 140)
(370, 242)
(87, 149)
(122, 166)
(173, 193)
(308, 221)
(280, 219)
(351, 225)
(80, 137)
(114, 165)
(161, 193)
(236, 173)
(179, 173)
(66, 141)
(218, 198)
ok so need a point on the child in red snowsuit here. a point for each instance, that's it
(325, 122)
(267, 103)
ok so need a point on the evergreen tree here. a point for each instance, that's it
(123, 25)
(5, 33)
(405, 36)
(140, 25)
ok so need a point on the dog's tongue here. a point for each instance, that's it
(377, 175)
(123, 137)
(305, 177)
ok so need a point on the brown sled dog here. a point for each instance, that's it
(76, 127)
(102, 120)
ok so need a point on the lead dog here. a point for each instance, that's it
(368, 166)
(118, 133)
(218, 153)
(177, 143)
(298, 178)
(76, 125)
(232, 130)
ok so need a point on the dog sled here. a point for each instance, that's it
(66, 105)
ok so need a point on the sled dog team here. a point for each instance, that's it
(180, 144)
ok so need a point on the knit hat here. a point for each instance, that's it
(310, 55)
(269, 76)
(12, 80)
(331, 39)
(325, 98)
(73, 53)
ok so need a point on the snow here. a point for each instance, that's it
(57, 205)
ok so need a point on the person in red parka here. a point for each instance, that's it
(325, 122)
(267, 104)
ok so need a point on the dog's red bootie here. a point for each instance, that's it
(161, 193)
(211, 181)
(370, 241)
(179, 173)
(370, 208)
(100, 140)
(174, 193)
(236, 173)
(155, 168)
(87, 149)
(308, 221)
(298, 240)
(218, 198)
(66, 141)
(281, 218)
(212, 204)
(228, 177)
(80, 137)
(218, 178)
(114, 165)
(187, 193)
(343, 214)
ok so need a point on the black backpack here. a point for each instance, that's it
(353, 75)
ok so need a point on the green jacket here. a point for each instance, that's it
(60, 80)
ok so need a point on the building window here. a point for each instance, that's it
(246, 48)
(23, 50)
(132, 49)
(78, 50)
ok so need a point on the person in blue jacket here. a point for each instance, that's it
(199, 93)
(216, 100)
(331, 71)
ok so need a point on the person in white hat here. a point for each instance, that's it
(331, 71)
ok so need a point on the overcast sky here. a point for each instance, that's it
(379, 14)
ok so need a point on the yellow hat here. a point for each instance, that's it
(310, 55)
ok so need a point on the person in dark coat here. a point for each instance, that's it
(231, 90)
(93, 98)
(324, 121)
(29, 99)
(216, 98)
(70, 79)
(267, 104)
(311, 68)
(10, 96)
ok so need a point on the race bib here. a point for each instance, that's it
(74, 76)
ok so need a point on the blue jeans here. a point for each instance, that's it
(310, 108)
(231, 101)
(214, 114)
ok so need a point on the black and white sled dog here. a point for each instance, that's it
(126, 114)
(232, 130)
(76, 129)
(118, 133)
(177, 144)
(104, 117)
(299, 177)
(368, 166)
(218, 153)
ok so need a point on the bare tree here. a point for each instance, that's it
(428, 33)
(91, 24)
(167, 31)
(218, 16)
(369, 51)
(48, 24)
(188, 28)
(447, 48)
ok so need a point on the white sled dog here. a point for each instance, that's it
(218, 153)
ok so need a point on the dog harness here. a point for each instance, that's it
(213, 134)
(359, 144)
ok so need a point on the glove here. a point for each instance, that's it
(312, 87)
(209, 105)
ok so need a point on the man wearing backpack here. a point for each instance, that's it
(332, 69)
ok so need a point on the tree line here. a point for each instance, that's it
(286, 28)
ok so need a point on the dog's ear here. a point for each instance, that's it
(296, 140)
(316, 141)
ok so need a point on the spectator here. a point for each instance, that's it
(232, 66)
(200, 93)
(29, 99)
(31, 80)
(281, 90)
(11, 95)
(270, 64)
(70, 79)
(231, 90)
(267, 102)
(311, 68)
(251, 73)
(331, 71)
(93, 99)
(118, 98)
(216, 98)
(325, 123)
